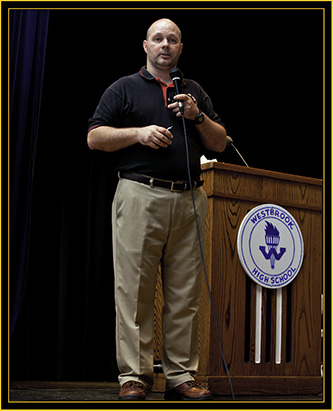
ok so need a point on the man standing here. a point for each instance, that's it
(152, 213)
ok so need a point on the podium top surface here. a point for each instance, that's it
(260, 172)
(257, 186)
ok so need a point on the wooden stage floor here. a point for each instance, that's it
(101, 392)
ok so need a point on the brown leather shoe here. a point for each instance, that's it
(132, 391)
(188, 391)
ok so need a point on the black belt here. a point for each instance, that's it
(174, 186)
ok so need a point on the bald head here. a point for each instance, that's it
(163, 23)
(163, 47)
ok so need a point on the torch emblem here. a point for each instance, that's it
(272, 239)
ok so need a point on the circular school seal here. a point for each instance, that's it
(270, 246)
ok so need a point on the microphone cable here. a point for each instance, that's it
(202, 256)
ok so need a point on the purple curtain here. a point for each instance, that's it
(28, 34)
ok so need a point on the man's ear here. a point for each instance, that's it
(145, 45)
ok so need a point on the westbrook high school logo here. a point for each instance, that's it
(270, 246)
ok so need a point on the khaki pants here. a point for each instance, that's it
(152, 225)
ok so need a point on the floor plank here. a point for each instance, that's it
(44, 391)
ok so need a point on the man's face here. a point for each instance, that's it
(163, 45)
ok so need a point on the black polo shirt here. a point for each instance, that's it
(141, 100)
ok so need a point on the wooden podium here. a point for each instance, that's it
(232, 192)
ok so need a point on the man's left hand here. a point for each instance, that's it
(191, 110)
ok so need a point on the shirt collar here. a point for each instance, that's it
(145, 74)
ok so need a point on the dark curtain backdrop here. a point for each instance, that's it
(28, 35)
(264, 72)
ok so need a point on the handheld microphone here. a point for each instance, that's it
(176, 76)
